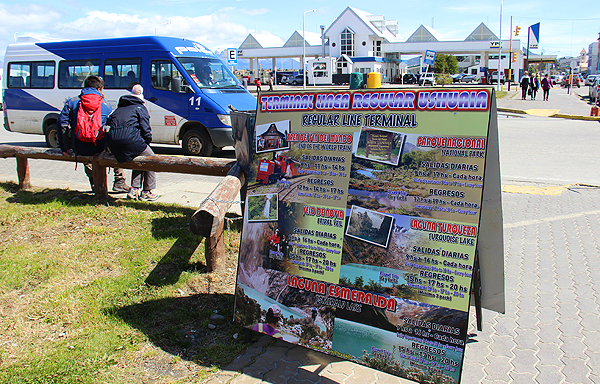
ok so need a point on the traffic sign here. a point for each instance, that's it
(232, 56)
(429, 57)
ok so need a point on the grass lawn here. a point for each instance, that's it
(109, 291)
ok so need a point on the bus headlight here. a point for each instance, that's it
(225, 119)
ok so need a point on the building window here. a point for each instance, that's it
(377, 48)
(347, 41)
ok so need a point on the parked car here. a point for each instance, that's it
(494, 77)
(556, 79)
(427, 78)
(458, 77)
(469, 79)
(590, 79)
(576, 80)
(295, 80)
(594, 89)
(409, 78)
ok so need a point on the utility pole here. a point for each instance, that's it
(510, 56)
(500, 47)
(527, 59)
(598, 62)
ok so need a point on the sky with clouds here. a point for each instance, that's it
(220, 24)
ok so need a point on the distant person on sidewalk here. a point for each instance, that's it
(270, 84)
(257, 83)
(90, 109)
(524, 85)
(535, 85)
(546, 85)
(128, 135)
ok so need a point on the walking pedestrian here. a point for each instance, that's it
(270, 84)
(546, 85)
(257, 83)
(524, 85)
(128, 135)
(535, 85)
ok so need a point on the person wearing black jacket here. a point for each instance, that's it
(128, 135)
(525, 83)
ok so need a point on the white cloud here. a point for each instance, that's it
(22, 20)
(255, 12)
(215, 31)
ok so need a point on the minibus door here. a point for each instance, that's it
(167, 106)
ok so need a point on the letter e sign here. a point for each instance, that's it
(231, 56)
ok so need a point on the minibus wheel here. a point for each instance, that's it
(196, 142)
(51, 136)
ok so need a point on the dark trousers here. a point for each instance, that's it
(524, 92)
(147, 178)
(546, 93)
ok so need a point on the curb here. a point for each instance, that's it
(510, 110)
(556, 115)
(577, 117)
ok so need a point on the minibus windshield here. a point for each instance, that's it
(208, 73)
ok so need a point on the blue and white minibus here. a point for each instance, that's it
(187, 88)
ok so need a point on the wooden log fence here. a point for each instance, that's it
(209, 218)
(207, 221)
(209, 166)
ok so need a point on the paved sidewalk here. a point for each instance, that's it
(549, 334)
(560, 103)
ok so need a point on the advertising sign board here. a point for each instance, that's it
(361, 222)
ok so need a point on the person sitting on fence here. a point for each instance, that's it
(128, 134)
(90, 109)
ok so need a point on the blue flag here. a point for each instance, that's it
(534, 36)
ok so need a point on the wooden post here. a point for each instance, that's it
(23, 172)
(99, 175)
(214, 250)
(208, 218)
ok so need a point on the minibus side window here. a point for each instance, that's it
(122, 73)
(72, 73)
(18, 75)
(37, 74)
(162, 72)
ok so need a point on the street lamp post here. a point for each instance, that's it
(305, 78)
(500, 47)
(598, 63)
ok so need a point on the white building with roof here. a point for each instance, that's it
(363, 42)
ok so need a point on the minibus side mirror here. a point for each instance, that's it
(176, 84)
